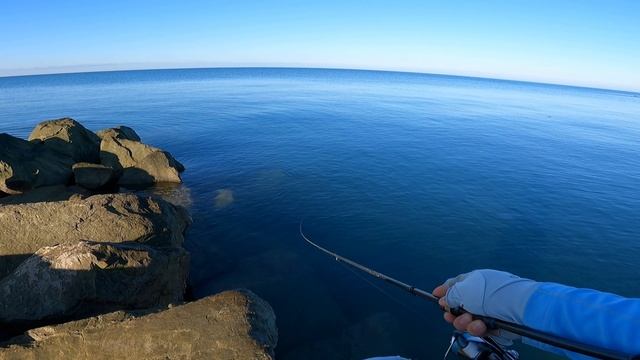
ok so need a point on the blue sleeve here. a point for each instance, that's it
(588, 316)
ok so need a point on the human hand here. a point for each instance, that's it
(463, 322)
(491, 293)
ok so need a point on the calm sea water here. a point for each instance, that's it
(419, 176)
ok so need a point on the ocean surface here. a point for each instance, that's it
(419, 176)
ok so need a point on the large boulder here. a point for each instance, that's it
(25, 165)
(69, 137)
(102, 277)
(140, 164)
(25, 228)
(92, 176)
(230, 325)
(120, 132)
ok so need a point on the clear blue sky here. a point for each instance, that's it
(581, 42)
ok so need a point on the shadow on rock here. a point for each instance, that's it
(70, 281)
(47, 194)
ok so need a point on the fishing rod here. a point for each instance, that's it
(492, 323)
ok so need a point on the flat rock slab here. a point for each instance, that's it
(230, 325)
(102, 277)
(116, 218)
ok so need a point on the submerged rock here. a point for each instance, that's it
(377, 334)
(120, 132)
(224, 198)
(25, 165)
(275, 275)
(230, 325)
(25, 228)
(177, 194)
(68, 137)
(52, 283)
(92, 176)
(139, 163)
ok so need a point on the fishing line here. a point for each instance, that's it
(389, 296)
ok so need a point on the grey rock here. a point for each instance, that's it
(113, 218)
(69, 137)
(120, 132)
(230, 325)
(140, 164)
(25, 165)
(92, 176)
(52, 283)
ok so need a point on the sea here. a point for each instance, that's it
(419, 176)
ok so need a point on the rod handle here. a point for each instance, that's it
(489, 322)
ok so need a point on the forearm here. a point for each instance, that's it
(596, 318)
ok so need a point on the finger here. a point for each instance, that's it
(461, 322)
(443, 304)
(449, 317)
(440, 291)
(477, 328)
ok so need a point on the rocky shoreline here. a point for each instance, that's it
(87, 272)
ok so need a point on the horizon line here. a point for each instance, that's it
(480, 77)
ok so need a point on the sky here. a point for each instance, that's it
(574, 42)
